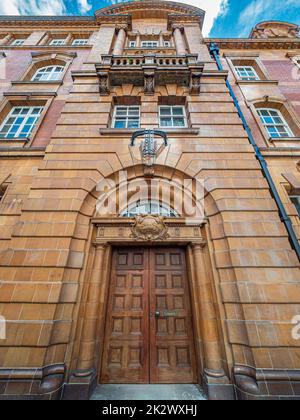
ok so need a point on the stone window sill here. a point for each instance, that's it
(15, 140)
(13, 143)
(258, 82)
(284, 139)
(122, 132)
(32, 82)
(48, 47)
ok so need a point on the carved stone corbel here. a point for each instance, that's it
(149, 82)
(195, 82)
(104, 88)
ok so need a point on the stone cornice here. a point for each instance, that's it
(115, 20)
(255, 44)
(48, 21)
(29, 95)
(148, 5)
(39, 54)
(184, 19)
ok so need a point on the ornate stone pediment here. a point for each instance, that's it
(149, 228)
(271, 29)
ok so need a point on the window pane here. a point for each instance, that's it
(37, 111)
(4, 130)
(263, 113)
(179, 122)
(133, 124)
(268, 120)
(178, 111)
(120, 124)
(133, 112)
(165, 111)
(166, 122)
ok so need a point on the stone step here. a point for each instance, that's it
(148, 392)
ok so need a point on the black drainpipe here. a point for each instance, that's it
(215, 52)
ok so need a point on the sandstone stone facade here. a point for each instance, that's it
(55, 250)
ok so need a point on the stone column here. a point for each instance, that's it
(207, 312)
(120, 42)
(138, 40)
(215, 382)
(161, 40)
(88, 339)
(179, 40)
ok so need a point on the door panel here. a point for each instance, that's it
(126, 358)
(140, 346)
(172, 356)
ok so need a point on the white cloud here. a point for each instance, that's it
(32, 7)
(213, 9)
(84, 6)
(259, 10)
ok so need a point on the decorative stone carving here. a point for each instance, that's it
(197, 232)
(124, 27)
(149, 228)
(101, 232)
(275, 30)
(103, 83)
(195, 83)
(149, 83)
(180, 27)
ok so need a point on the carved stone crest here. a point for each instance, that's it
(272, 29)
(149, 228)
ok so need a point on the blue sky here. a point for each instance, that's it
(224, 18)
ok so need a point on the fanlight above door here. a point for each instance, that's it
(149, 207)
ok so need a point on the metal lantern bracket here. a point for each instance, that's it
(141, 133)
(149, 149)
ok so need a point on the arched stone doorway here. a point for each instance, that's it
(148, 232)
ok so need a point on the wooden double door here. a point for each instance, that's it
(149, 331)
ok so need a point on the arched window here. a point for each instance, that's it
(49, 73)
(274, 123)
(149, 207)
